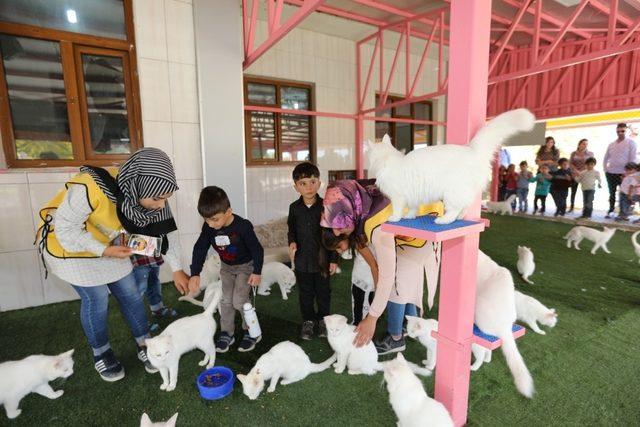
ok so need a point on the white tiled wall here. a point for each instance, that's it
(168, 89)
(330, 63)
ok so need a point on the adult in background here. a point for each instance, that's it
(619, 153)
(577, 162)
(548, 155)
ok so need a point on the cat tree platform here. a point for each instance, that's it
(491, 342)
(424, 227)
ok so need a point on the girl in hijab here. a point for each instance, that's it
(356, 211)
(81, 242)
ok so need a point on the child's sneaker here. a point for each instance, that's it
(142, 356)
(248, 343)
(108, 366)
(388, 345)
(322, 329)
(307, 330)
(164, 313)
(224, 342)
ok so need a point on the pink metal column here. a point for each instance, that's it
(470, 24)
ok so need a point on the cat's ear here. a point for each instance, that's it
(400, 357)
(145, 420)
(68, 353)
(386, 139)
(241, 377)
(171, 422)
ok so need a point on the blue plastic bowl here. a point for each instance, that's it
(216, 383)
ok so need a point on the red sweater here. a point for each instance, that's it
(512, 181)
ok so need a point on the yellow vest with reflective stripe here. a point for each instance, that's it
(381, 217)
(102, 223)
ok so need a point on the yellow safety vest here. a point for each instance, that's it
(102, 223)
(381, 217)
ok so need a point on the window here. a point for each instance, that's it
(68, 87)
(406, 136)
(275, 137)
(339, 175)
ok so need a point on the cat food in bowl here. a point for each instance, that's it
(215, 383)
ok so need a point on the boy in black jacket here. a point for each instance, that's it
(560, 184)
(313, 264)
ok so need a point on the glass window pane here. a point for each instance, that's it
(106, 104)
(403, 137)
(104, 18)
(403, 110)
(382, 128)
(37, 98)
(294, 98)
(261, 94)
(263, 135)
(421, 136)
(295, 137)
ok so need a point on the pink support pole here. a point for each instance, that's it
(359, 146)
(470, 24)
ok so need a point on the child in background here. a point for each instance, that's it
(627, 191)
(241, 257)
(560, 186)
(543, 183)
(524, 177)
(587, 180)
(511, 183)
(502, 182)
(147, 273)
(313, 263)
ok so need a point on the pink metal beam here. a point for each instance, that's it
(566, 72)
(564, 30)
(397, 11)
(439, 92)
(376, 50)
(610, 66)
(613, 19)
(385, 93)
(537, 17)
(523, 87)
(598, 5)
(547, 17)
(422, 61)
(401, 120)
(630, 32)
(506, 37)
(507, 21)
(308, 7)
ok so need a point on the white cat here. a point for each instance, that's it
(285, 361)
(409, 400)
(210, 281)
(636, 245)
(526, 265)
(145, 421)
(357, 360)
(503, 208)
(453, 174)
(531, 311)
(420, 329)
(495, 314)
(276, 272)
(600, 238)
(32, 375)
(180, 337)
(209, 292)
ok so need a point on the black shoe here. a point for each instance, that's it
(388, 345)
(142, 356)
(621, 219)
(609, 214)
(248, 343)
(307, 330)
(322, 329)
(164, 313)
(224, 342)
(108, 366)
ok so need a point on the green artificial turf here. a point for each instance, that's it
(585, 369)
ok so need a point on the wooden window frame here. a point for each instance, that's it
(72, 46)
(392, 125)
(278, 83)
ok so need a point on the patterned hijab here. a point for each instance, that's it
(348, 204)
(147, 173)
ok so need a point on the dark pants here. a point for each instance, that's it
(501, 192)
(560, 199)
(314, 289)
(574, 191)
(543, 202)
(613, 181)
(588, 195)
(358, 303)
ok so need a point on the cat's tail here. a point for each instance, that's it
(192, 300)
(521, 375)
(211, 308)
(526, 279)
(634, 240)
(493, 134)
(418, 370)
(319, 367)
(569, 234)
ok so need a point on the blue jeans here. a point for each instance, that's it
(395, 316)
(587, 196)
(626, 204)
(523, 204)
(148, 280)
(94, 305)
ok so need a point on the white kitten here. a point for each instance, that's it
(526, 265)
(453, 174)
(32, 375)
(420, 329)
(180, 337)
(412, 405)
(495, 314)
(285, 361)
(145, 421)
(357, 360)
(636, 245)
(210, 281)
(503, 208)
(276, 272)
(600, 238)
(530, 311)
(210, 291)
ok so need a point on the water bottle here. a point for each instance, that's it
(251, 319)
